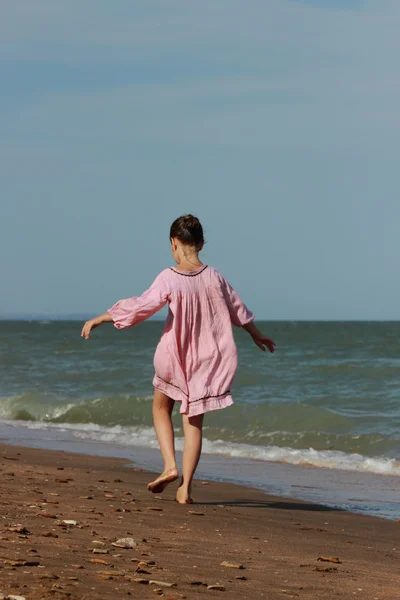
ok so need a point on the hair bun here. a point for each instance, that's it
(188, 230)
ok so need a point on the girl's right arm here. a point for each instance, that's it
(93, 323)
(131, 311)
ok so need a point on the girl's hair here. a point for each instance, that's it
(188, 230)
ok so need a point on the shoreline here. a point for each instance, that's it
(279, 541)
(360, 493)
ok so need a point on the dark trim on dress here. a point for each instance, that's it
(198, 399)
(172, 385)
(189, 274)
(208, 397)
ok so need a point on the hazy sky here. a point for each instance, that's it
(277, 122)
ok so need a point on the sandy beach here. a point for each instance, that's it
(62, 516)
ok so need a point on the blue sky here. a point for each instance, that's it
(275, 121)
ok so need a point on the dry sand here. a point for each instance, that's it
(279, 543)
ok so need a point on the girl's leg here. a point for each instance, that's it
(162, 411)
(193, 432)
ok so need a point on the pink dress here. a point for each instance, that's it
(196, 358)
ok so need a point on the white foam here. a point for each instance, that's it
(145, 437)
(330, 459)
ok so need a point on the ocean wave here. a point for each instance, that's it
(297, 426)
(145, 437)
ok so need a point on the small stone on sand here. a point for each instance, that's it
(19, 529)
(162, 583)
(99, 561)
(217, 587)
(125, 543)
(332, 559)
(231, 565)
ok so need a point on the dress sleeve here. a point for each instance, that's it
(240, 314)
(131, 311)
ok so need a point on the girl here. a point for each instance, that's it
(196, 358)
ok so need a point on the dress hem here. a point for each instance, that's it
(194, 407)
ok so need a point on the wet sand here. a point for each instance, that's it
(274, 548)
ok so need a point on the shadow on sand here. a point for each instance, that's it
(289, 505)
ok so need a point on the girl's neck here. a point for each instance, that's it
(189, 263)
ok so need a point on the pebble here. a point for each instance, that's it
(20, 562)
(230, 565)
(70, 522)
(217, 587)
(196, 513)
(332, 559)
(125, 543)
(99, 551)
(99, 561)
(19, 529)
(162, 583)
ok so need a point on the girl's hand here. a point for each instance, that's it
(264, 342)
(87, 328)
(93, 323)
(260, 340)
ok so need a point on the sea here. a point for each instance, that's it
(319, 420)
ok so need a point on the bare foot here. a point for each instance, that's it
(158, 485)
(183, 497)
